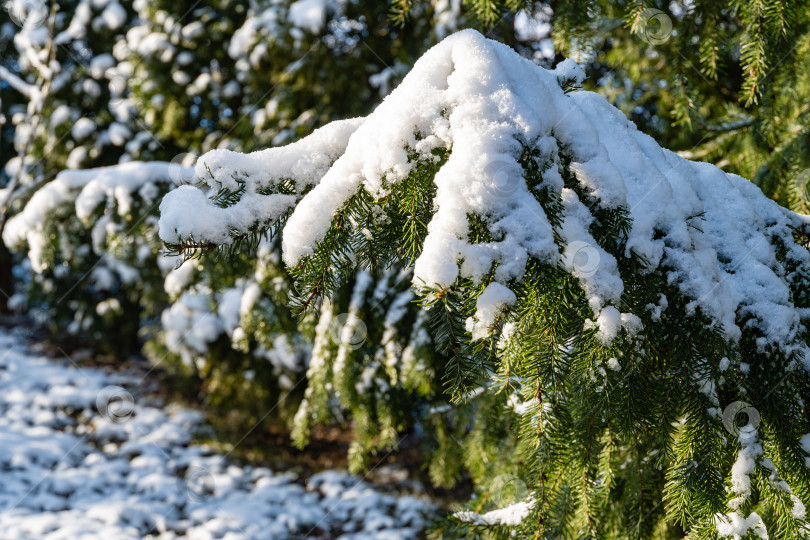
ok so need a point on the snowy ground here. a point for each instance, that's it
(80, 458)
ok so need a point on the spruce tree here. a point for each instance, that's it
(629, 327)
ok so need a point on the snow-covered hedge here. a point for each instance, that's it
(228, 331)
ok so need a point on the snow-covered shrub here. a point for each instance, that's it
(238, 75)
(624, 302)
(241, 75)
(92, 248)
(58, 71)
(174, 64)
(312, 49)
(57, 109)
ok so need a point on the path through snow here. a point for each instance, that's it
(80, 459)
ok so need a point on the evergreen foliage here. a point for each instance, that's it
(718, 81)
(654, 425)
(641, 436)
(55, 65)
(231, 340)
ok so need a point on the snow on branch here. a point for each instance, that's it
(512, 515)
(729, 249)
(190, 214)
(17, 83)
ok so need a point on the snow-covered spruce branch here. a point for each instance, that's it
(16, 83)
(621, 289)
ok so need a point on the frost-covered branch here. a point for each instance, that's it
(36, 98)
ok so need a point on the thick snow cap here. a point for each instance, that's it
(712, 232)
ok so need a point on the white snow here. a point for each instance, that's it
(118, 134)
(487, 308)
(187, 212)
(100, 64)
(804, 442)
(70, 471)
(744, 465)
(17, 83)
(178, 278)
(76, 157)
(82, 128)
(309, 15)
(446, 16)
(529, 28)
(242, 46)
(798, 510)
(114, 16)
(60, 115)
(736, 526)
(190, 325)
(512, 515)
(609, 322)
(569, 70)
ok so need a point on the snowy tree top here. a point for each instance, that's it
(727, 247)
